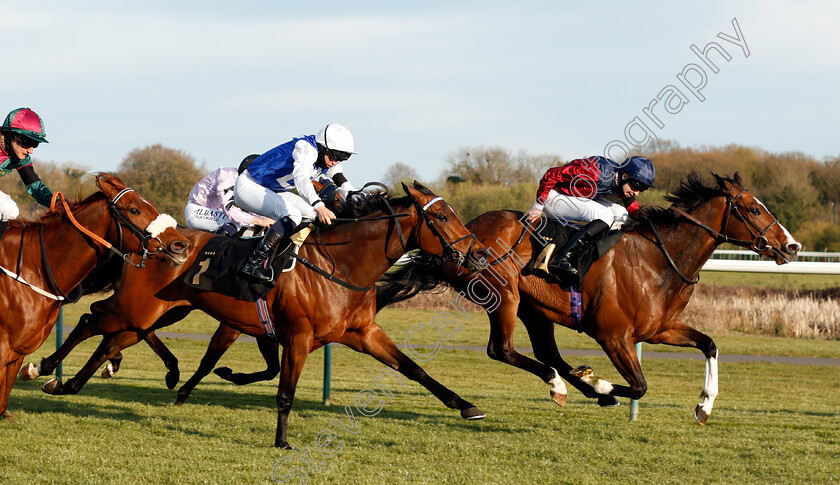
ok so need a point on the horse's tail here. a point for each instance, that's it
(424, 272)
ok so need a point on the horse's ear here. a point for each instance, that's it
(418, 185)
(738, 180)
(405, 187)
(720, 181)
(109, 184)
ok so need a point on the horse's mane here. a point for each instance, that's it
(364, 204)
(692, 191)
(51, 217)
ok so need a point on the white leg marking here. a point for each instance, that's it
(30, 371)
(108, 371)
(557, 384)
(710, 387)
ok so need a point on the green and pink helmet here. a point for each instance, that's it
(26, 122)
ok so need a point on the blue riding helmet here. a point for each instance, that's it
(640, 169)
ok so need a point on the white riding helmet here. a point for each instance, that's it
(335, 137)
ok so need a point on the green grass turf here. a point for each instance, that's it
(772, 423)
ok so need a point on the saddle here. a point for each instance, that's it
(217, 266)
(558, 233)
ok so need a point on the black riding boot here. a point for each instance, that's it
(257, 266)
(567, 260)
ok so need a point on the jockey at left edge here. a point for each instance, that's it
(21, 133)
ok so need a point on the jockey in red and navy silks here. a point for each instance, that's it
(264, 188)
(22, 131)
(576, 191)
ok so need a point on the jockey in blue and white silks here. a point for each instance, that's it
(265, 188)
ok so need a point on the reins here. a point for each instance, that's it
(718, 236)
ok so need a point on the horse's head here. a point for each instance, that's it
(748, 223)
(151, 231)
(443, 233)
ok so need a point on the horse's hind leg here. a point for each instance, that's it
(373, 341)
(681, 335)
(541, 332)
(294, 357)
(221, 340)
(270, 351)
(173, 374)
(500, 347)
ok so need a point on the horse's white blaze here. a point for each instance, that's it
(557, 384)
(710, 387)
(160, 224)
(790, 240)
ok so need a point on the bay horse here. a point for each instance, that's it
(310, 310)
(40, 259)
(634, 293)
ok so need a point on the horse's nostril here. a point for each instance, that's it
(793, 248)
(177, 247)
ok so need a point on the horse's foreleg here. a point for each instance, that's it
(83, 331)
(373, 341)
(108, 348)
(681, 335)
(221, 340)
(500, 347)
(294, 357)
(173, 374)
(270, 351)
(8, 373)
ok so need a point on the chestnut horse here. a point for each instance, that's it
(634, 293)
(40, 259)
(309, 309)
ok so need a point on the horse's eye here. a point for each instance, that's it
(755, 211)
(134, 211)
(442, 218)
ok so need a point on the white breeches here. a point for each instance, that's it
(253, 197)
(570, 209)
(200, 217)
(8, 208)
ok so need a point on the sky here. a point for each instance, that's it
(416, 81)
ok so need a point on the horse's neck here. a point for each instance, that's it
(688, 244)
(70, 255)
(371, 247)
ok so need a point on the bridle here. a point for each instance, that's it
(758, 242)
(756, 233)
(449, 251)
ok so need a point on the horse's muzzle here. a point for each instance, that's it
(177, 253)
(478, 260)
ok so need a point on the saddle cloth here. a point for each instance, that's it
(559, 233)
(217, 266)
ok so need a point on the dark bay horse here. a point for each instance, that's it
(55, 253)
(634, 293)
(309, 310)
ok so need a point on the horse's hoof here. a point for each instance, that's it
(29, 371)
(472, 413)
(606, 401)
(52, 386)
(560, 399)
(172, 378)
(109, 371)
(223, 372)
(283, 445)
(700, 415)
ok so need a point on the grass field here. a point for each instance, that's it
(772, 423)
